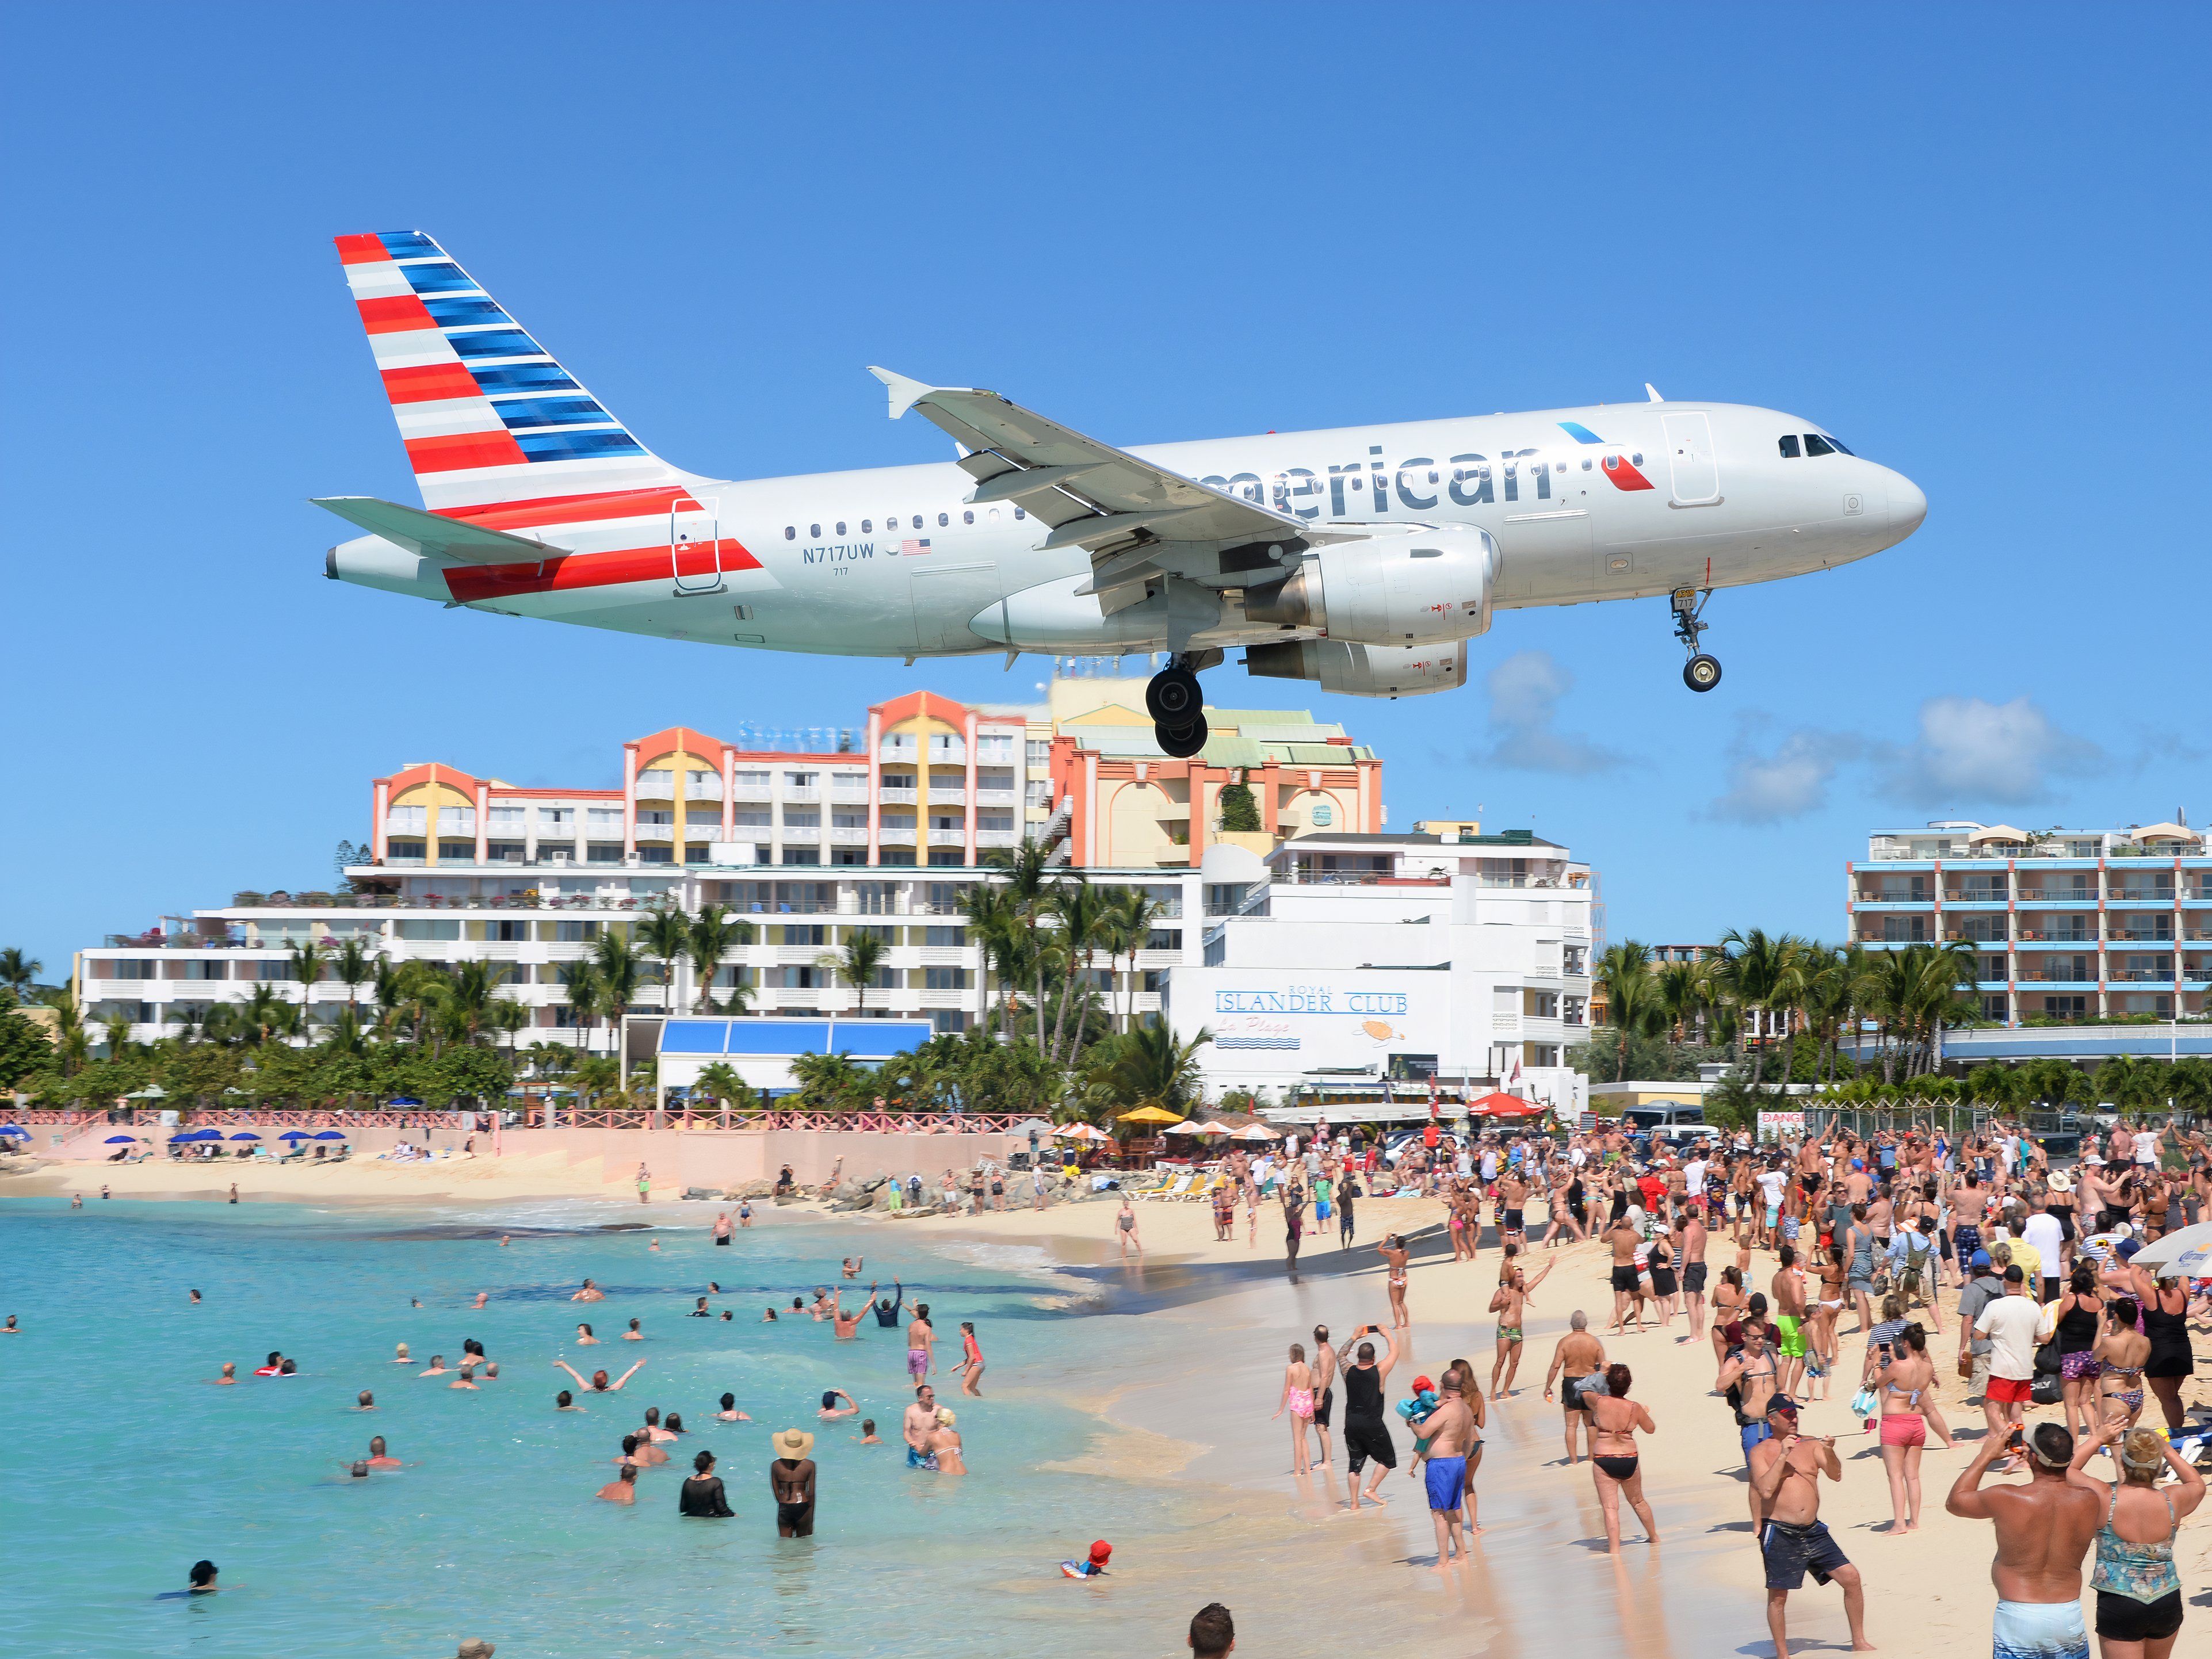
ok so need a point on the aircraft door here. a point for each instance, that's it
(1693, 466)
(694, 542)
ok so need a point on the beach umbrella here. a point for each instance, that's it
(187, 1135)
(295, 1134)
(2186, 1253)
(245, 1135)
(1504, 1105)
(15, 1132)
(1256, 1131)
(1150, 1115)
(1081, 1132)
(1214, 1128)
(120, 1140)
(330, 1134)
(1185, 1128)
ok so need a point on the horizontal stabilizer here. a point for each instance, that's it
(422, 532)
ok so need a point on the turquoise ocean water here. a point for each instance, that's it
(123, 1467)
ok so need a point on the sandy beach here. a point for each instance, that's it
(1301, 1576)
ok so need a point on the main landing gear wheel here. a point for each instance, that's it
(1180, 742)
(1702, 673)
(1173, 698)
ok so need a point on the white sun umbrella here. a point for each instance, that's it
(1256, 1131)
(1082, 1132)
(2183, 1254)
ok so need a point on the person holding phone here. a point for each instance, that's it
(1366, 1432)
(1785, 1475)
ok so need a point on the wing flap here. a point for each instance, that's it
(422, 532)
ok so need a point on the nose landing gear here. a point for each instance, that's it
(1702, 673)
(1175, 703)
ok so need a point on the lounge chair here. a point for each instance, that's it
(1180, 1188)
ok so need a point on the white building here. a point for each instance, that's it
(1357, 968)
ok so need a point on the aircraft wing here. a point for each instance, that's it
(1091, 495)
(423, 532)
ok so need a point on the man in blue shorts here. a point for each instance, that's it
(1785, 1480)
(1441, 1460)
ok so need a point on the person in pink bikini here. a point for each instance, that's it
(1297, 1398)
(1906, 1383)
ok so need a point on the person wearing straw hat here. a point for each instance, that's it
(791, 1478)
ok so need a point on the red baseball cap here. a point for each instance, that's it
(1101, 1550)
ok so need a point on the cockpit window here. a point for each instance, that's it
(1788, 445)
(1816, 445)
(1841, 445)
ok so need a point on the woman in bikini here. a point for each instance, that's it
(1728, 1307)
(1394, 1251)
(971, 1360)
(2123, 1351)
(1614, 1419)
(1299, 1401)
(2077, 1316)
(1906, 1380)
(1833, 1272)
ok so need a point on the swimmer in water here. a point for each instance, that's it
(831, 1410)
(465, 1380)
(401, 1358)
(852, 1265)
(726, 1315)
(652, 1431)
(565, 1402)
(971, 1362)
(378, 1459)
(196, 1298)
(598, 1384)
(289, 1368)
(584, 1337)
(769, 1318)
(868, 1435)
(435, 1368)
(366, 1402)
(276, 1365)
(847, 1326)
(633, 1335)
(591, 1292)
(730, 1414)
(699, 1311)
(655, 1245)
(482, 1298)
(229, 1377)
(203, 1572)
(945, 1445)
(622, 1489)
(502, 1241)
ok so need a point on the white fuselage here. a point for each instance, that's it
(829, 563)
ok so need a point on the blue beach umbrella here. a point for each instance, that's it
(14, 1131)
(121, 1140)
(330, 1134)
(295, 1134)
(245, 1135)
(180, 1138)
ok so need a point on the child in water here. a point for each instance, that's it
(1092, 1567)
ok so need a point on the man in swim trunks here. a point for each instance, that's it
(1789, 1287)
(1786, 1474)
(847, 1326)
(1623, 1237)
(2043, 1529)
(919, 1424)
(1367, 1435)
(791, 1482)
(1751, 1373)
(921, 1345)
(1577, 1355)
(1510, 1302)
(1443, 1461)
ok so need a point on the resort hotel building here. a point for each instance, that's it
(883, 827)
(2064, 924)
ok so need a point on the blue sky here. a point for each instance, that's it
(1971, 242)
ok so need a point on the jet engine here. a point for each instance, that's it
(1416, 587)
(1364, 671)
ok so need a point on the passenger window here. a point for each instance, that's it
(1586, 463)
(967, 517)
(868, 527)
(1020, 513)
(1788, 445)
(841, 526)
(1816, 445)
(917, 521)
(943, 519)
(814, 530)
(791, 532)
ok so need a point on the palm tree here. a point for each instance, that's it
(17, 971)
(596, 1075)
(858, 963)
(505, 1016)
(587, 996)
(1004, 944)
(1683, 993)
(1148, 1064)
(1631, 995)
(666, 939)
(1761, 972)
(1081, 912)
(826, 1081)
(721, 1083)
(354, 965)
(116, 1028)
(714, 935)
(1024, 897)
(473, 984)
(619, 969)
(1130, 915)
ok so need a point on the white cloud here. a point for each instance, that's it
(1525, 692)
(1789, 782)
(1971, 751)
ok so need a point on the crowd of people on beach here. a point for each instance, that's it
(2050, 1306)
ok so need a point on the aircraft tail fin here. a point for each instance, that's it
(487, 414)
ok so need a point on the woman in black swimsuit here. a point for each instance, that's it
(2165, 1322)
(702, 1493)
(1615, 1420)
(1579, 1206)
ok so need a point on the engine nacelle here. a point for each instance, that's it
(1416, 587)
(1364, 671)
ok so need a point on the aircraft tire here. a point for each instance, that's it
(1702, 673)
(1172, 697)
(1180, 742)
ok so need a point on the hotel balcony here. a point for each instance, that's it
(948, 838)
(2140, 976)
(889, 836)
(751, 789)
(947, 794)
(998, 838)
(656, 832)
(849, 837)
(802, 792)
(1974, 896)
(809, 834)
(706, 787)
(997, 797)
(850, 795)
(656, 785)
(899, 796)
(2163, 935)
(2162, 896)
(2084, 896)
(2057, 936)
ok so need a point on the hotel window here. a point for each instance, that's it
(943, 938)
(945, 979)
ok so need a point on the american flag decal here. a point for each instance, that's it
(921, 546)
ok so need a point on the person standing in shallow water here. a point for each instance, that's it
(791, 1482)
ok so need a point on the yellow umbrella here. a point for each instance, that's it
(1150, 1115)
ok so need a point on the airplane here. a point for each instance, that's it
(1362, 558)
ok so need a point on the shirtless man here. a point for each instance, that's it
(591, 1292)
(622, 1489)
(918, 1424)
(1785, 1477)
(1512, 1197)
(847, 1326)
(1787, 1287)
(1577, 1355)
(1694, 1269)
(1392, 1251)
(652, 1431)
(229, 1377)
(378, 1459)
(921, 1345)
(851, 1269)
(599, 1383)
(1510, 1302)
(1752, 1373)
(1623, 1239)
(1442, 1459)
(1324, 1390)
(2043, 1529)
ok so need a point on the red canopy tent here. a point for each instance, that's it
(1505, 1105)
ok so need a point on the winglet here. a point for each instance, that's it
(905, 393)
(1651, 390)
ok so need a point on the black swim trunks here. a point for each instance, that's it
(1368, 1436)
(1570, 1395)
(1694, 1278)
(1324, 1406)
(1790, 1552)
(1624, 1276)
(1513, 1221)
